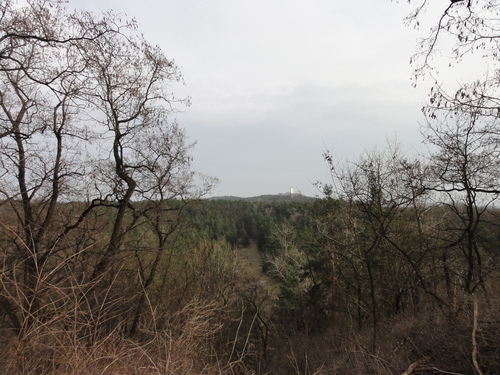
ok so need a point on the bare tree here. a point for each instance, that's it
(378, 249)
(40, 100)
(166, 186)
(465, 172)
(85, 106)
(466, 30)
(130, 96)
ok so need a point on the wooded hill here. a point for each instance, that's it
(269, 198)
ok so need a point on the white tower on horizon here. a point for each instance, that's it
(291, 191)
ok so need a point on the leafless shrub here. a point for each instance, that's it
(462, 340)
(69, 325)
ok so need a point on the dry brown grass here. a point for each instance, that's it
(70, 343)
(71, 326)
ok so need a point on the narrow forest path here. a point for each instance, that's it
(250, 262)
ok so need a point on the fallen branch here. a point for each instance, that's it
(435, 369)
(413, 366)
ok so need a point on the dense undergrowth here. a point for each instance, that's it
(203, 315)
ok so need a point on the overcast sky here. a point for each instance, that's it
(276, 82)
